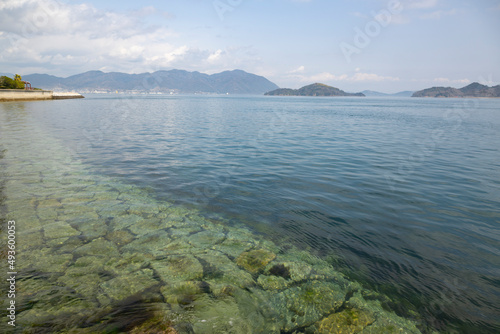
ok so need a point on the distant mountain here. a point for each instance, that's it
(316, 89)
(372, 93)
(473, 90)
(233, 82)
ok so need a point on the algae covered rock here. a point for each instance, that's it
(178, 268)
(153, 243)
(272, 282)
(206, 239)
(125, 286)
(58, 230)
(348, 321)
(219, 269)
(98, 247)
(120, 237)
(184, 294)
(255, 260)
(306, 304)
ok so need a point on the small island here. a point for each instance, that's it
(473, 90)
(316, 89)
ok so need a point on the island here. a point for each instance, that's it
(317, 89)
(473, 90)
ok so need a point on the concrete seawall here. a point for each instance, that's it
(33, 95)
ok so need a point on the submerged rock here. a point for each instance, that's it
(348, 321)
(125, 286)
(306, 304)
(206, 239)
(178, 268)
(98, 247)
(255, 260)
(120, 237)
(58, 230)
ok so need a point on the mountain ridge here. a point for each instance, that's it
(232, 82)
(474, 89)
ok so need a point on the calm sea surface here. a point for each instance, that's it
(402, 195)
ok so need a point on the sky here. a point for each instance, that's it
(382, 45)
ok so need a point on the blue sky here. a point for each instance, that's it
(388, 46)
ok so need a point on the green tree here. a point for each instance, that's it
(19, 82)
(8, 83)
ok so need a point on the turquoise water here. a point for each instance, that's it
(181, 193)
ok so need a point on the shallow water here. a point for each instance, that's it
(399, 194)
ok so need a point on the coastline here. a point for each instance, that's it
(35, 95)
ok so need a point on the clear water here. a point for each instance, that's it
(401, 195)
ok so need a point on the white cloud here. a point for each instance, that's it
(299, 69)
(450, 81)
(65, 39)
(356, 77)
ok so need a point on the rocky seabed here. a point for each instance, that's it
(98, 256)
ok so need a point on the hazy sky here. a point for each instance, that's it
(351, 44)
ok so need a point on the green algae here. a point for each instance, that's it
(255, 260)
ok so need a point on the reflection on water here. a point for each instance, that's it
(269, 193)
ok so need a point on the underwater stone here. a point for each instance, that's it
(61, 313)
(86, 285)
(73, 199)
(58, 230)
(272, 282)
(184, 231)
(220, 316)
(174, 213)
(122, 222)
(120, 237)
(179, 246)
(105, 195)
(347, 321)
(297, 271)
(255, 260)
(178, 268)
(304, 305)
(146, 226)
(154, 243)
(127, 263)
(92, 229)
(205, 239)
(48, 203)
(234, 247)
(184, 294)
(29, 240)
(111, 211)
(47, 213)
(125, 286)
(148, 209)
(98, 247)
(386, 322)
(219, 269)
(44, 260)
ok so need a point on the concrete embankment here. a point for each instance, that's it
(64, 95)
(33, 95)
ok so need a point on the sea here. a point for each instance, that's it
(398, 196)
